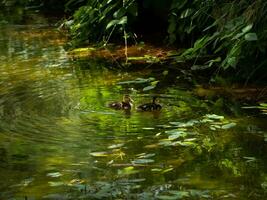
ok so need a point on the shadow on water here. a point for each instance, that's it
(59, 140)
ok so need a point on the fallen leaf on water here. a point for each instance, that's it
(99, 154)
(54, 174)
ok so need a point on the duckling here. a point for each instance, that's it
(153, 106)
(126, 103)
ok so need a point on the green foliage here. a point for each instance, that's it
(233, 31)
(97, 21)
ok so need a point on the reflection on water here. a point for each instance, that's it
(58, 138)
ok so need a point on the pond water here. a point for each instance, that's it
(59, 140)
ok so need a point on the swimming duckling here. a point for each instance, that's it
(153, 106)
(126, 103)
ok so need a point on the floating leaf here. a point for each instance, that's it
(214, 127)
(150, 87)
(149, 155)
(185, 143)
(114, 146)
(148, 128)
(167, 170)
(228, 126)
(190, 139)
(213, 116)
(99, 154)
(137, 180)
(128, 171)
(185, 124)
(142, 161)
(174, 134)
(54, 174)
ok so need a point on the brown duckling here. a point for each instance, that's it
(125, 104)
(153, 106)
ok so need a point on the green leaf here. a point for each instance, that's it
(213, 116)
(54, 174)
(154, 83)
(167, 170)
(119, 13)
(251, 37)
(247, 28)
(150, 87)
(232, 61)
(149, 155)
(99, 154)
(228, 126)
(128, 171)
(186, 13)
(112, 23)
(142, 161)
(115, 146)
(123, 20)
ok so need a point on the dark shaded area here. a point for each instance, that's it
(152, 22)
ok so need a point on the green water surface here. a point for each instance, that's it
(59, 140)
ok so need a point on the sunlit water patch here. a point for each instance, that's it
(59, 139)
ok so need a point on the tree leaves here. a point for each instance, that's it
(251, 37)
(121, 21)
